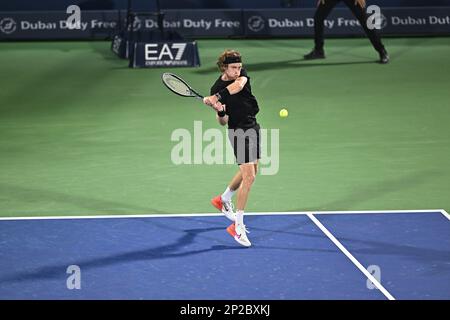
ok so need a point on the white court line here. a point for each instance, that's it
(351, 257)
(125, 216)
(445, 214)
(377, 211)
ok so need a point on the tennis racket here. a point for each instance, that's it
(177, 85)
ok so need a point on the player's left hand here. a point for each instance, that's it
(218, 106)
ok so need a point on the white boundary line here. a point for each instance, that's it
(377, 211)
(445, 213)
(125, 216)
(350, 256)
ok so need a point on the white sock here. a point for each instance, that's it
(226, 196)
(240, 217)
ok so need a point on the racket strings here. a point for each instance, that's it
(178, 86)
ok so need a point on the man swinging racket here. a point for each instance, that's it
(232, 98)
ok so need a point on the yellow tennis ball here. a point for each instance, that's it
(283, 113)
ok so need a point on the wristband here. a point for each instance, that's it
(222, 113)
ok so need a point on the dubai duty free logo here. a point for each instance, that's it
(255, 23)
(137, 24)
(384, 21)
(8, 25)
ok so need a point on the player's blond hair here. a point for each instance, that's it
(226, 54)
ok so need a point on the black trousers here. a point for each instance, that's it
(322, 12)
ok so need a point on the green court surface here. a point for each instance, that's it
(82, 134)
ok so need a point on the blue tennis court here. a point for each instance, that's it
(295, 256)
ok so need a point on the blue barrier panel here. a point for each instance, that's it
(197, 23)
(53, 25)
(146, 5)
(341, 22)
(223, 23)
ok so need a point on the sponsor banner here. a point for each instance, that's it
(300, 22)
(104, 24)
(56, 25)
(222, 23)
(420, 21)
(165, 54)
(297, 22)
(196, 23)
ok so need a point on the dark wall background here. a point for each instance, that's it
(27, 5)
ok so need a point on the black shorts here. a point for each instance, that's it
(246, 144)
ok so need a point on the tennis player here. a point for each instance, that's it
(324, 8)
(232, 98)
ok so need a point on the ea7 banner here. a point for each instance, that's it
(165, 54)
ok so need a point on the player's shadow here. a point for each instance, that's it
(39, 196)
(107, 54)
(47, 99)
(410, 44)
(374, 191)
(174, 250)
(427, 255)
(287, 64)
(439, 258)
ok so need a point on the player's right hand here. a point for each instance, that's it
(211, 100)
(207, 101)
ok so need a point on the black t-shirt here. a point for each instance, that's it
(241, 107)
